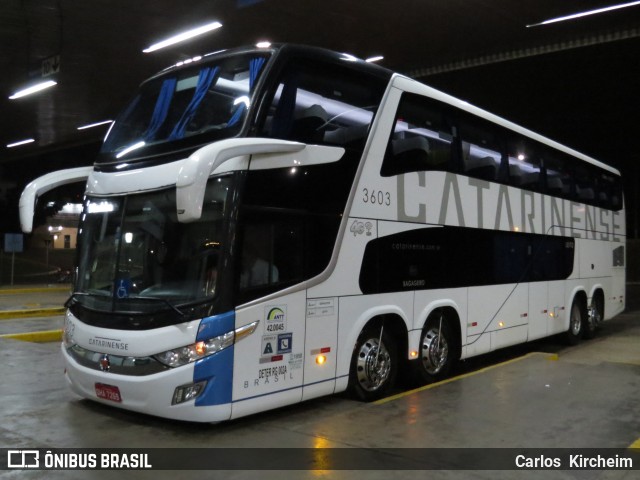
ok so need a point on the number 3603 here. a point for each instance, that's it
(376, 197)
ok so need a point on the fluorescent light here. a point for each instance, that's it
(374, 59)
(586, 13)
(264, 44)
(102, 207)
(97, 124)
(33, 89)
(181, 37)
(21, 142)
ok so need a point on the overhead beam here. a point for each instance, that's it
(516, 54)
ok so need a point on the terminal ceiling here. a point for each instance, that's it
(576, 81)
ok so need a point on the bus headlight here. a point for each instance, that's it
(68, 331)
(190, 353)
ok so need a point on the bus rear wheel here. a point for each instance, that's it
(374, 365)
(595, 316)
(577, 322)
(437, 349)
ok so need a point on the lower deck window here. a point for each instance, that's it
(450, 257)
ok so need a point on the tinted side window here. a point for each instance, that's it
(421, 140)
(482, 147)
(609, 190)
(451, 257)
(524, 164)
(585, 183)
(431, 135)
(288, 224)
(279, 248)
(558, 174)
(323, 104)
(265, 260)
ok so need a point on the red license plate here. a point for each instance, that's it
(108, 392)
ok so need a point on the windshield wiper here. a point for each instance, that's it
(67, 303)
(71, 298)
(163, 300)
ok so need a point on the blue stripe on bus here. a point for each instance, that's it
(211, 327)
(217, 369)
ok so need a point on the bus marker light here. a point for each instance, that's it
(321, 359)
(413, 354)
(317, 351)
(273, 358)
(246, 330)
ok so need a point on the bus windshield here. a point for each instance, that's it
(209, 99)
(134, 255)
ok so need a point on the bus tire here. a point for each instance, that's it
(594, 316)
(374, 365)
(437, 349)
(577, 322)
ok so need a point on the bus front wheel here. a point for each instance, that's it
(374, 365)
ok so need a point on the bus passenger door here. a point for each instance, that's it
(321, 340)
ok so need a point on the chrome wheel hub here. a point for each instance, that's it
(373, 365)
(594, 316)
(435, 351)
(576, 320)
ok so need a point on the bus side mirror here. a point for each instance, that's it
(194, 173)
(43, 184)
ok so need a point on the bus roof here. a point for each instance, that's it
(285, 50)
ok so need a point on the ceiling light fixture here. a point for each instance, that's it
(181, 37)
(33, 89)
(584, 14)
(97, 124)
(21, 142)
(377, 58)
(263, 44)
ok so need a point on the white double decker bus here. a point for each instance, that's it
(266, 226)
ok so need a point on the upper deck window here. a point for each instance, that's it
(208, 100)
(421, 140)
(320, 103)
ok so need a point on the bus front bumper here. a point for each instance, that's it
(149, 394)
